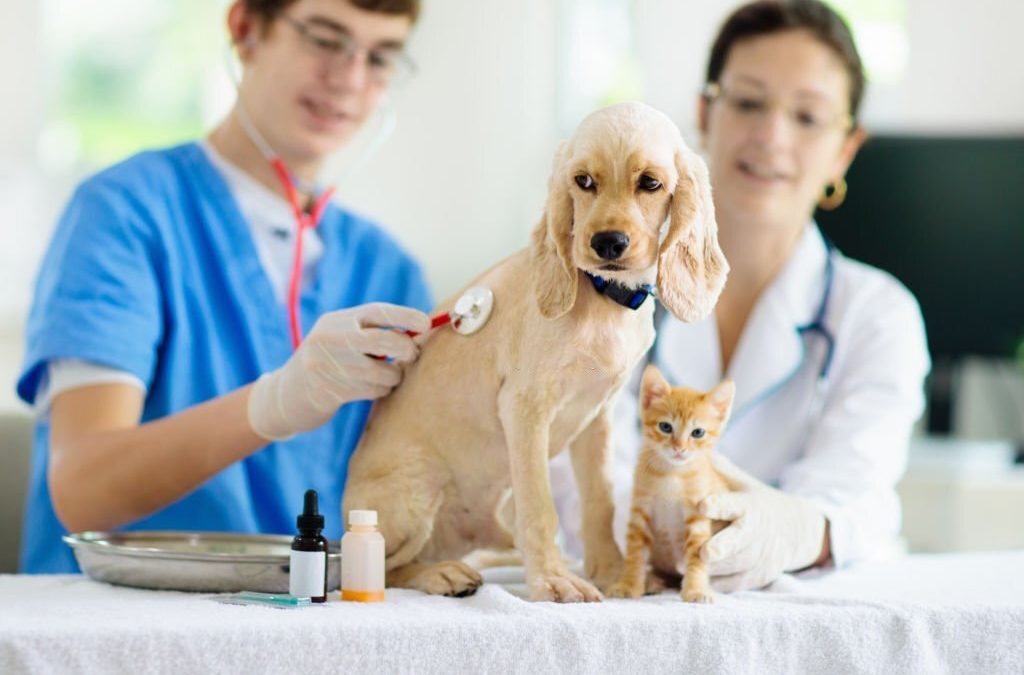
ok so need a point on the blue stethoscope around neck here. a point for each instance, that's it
(817, 324)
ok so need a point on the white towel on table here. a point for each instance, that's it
(923, 614)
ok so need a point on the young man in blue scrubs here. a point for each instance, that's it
(159, 357)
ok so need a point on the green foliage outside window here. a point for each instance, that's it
(129, 76)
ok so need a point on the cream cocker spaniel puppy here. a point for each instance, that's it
(456, 458)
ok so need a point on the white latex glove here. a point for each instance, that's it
(331, 368)
(771, 532)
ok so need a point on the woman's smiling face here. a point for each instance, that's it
(777, 128)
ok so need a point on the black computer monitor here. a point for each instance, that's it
(945, 216)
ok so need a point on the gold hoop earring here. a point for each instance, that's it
(832, 200)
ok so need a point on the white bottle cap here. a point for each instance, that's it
(362, 518)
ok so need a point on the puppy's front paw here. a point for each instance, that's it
(702, 596)
(624, 589)
(562, 586)
(453, 578)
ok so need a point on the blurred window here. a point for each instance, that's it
(600, 63)
(880, 29)
(124, 76)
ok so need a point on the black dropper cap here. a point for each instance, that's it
(311, 520)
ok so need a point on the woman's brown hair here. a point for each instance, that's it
(766, 17)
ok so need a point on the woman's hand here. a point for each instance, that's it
(770, 532)
(333, 366)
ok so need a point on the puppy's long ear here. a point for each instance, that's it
(691, 266)
(555, 276)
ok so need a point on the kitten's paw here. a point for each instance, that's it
(698, 595)
(562, 586)
(654, 584)
(606, 578)
(623, 589)
(602, 563)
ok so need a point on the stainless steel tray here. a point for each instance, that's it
(192, 561)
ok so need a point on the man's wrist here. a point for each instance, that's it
(263, 410)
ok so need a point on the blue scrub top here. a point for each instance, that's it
(153, 270)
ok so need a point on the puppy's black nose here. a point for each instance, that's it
(609, 245)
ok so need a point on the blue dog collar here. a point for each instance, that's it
(627, 297)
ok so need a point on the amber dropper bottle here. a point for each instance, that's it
(307, 576)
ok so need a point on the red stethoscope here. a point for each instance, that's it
(305, 219)
(471, 310)
(469, 314)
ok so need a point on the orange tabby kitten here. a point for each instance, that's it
(673, 475)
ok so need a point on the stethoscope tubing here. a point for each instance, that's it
(306, 216)
(818, 325)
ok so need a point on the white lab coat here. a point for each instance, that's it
(842, 442)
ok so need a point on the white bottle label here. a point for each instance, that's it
(306, 575)
(362, 561)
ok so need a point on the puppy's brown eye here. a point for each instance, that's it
(648, 184)
(665, 427)
(586, 183)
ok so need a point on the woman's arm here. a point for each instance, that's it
(839, 499)
(857, 451)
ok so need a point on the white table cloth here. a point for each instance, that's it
(922, 614)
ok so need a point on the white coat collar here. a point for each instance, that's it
(770, 349)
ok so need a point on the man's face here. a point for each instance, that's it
(317, 73)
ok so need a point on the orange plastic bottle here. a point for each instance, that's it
(362, 559)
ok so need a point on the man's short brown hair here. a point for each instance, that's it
(271, 9)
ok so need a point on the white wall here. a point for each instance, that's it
(21, 191)
(965, 72)
(672, 41)
(20, 76)
(463, 179)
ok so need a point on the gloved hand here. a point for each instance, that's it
(771, 532)
(332, 367)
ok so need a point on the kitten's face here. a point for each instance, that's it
(682, 424)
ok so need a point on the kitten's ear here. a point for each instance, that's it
(721, 398)
(652, 386)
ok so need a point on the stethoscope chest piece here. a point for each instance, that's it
(472, 310)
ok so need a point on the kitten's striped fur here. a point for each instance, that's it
(673, 475)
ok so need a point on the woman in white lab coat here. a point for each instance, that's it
(828, 354)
